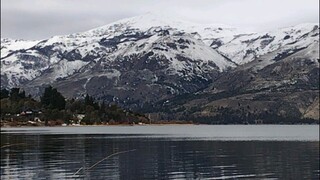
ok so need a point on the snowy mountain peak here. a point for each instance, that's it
(149, 20)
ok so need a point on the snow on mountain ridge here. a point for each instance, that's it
(245, 48)
(145, 34)
(197, 50)
(10, 45)
(113, 41)
(146, 21)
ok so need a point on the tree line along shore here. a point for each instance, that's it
(19, 109)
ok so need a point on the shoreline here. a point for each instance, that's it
(94, 125)
(166, 124)
(17, 124)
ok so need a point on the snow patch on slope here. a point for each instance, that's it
(66, 68)
(10, 45)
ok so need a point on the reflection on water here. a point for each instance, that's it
(59, 156)
(203, 132)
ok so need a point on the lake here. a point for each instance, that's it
(161, 152)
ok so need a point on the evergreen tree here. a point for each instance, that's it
(22, 94)
(89, 101)
(4, 93)
(53, 99)
(14, 94)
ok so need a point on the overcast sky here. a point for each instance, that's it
(39, 19)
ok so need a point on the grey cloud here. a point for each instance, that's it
(38, 19)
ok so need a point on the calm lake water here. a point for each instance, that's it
(161, 152)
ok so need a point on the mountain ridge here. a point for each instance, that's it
(144, 60)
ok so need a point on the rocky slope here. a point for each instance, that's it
(282, 86)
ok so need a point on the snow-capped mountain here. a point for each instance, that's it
(146, 58)
(248, 47)
(136, 60)
(140, 34)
